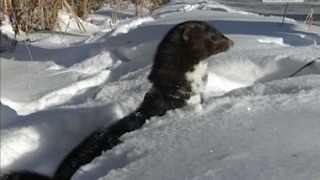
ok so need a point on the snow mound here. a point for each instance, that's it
(256, 123)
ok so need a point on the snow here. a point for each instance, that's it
(297, 11)
(256, 122)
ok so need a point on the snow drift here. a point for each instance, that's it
(256, 123)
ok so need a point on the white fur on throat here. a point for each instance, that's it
(198, 80)
(194, 100)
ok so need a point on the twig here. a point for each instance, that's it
(308, 64)
(284, 13)
(309, 19)
(30, 55)
(62, 34)
(79, 24)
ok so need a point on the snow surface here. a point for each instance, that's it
(297, 11)
(256, 123)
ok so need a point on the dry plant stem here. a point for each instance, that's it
(79, 24)
(309, 19)
(116, 13)
(30, 55)
(138, 7)
(30, 15)
(110, 23)
(42, 13)
(5, 6)
(63, 33)
(85, 10)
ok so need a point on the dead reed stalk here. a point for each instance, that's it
(35, 15)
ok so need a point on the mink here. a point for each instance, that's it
(178, 78)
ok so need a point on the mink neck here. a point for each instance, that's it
(171, 64)
(181, 55)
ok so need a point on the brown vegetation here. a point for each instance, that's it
(30, 15)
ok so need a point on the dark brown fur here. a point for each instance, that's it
(184, 47)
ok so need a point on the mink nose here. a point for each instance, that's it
(231, 43)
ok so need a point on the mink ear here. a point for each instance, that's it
(187, 32)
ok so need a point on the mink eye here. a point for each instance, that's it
(213, 38)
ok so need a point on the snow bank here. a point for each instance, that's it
(256, 122)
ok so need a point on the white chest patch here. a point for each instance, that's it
(194, 100)
(198, 77)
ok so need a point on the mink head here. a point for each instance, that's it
(196, 40)
(182, 48)
(204, 39)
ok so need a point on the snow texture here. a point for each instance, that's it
(256, 122)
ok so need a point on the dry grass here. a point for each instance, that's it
(151, 5)
(118, 7)
(35, 15)
(29, 15)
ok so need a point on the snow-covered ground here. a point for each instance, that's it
(297, 11)
(256, 122)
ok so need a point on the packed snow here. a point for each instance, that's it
(256, 122)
